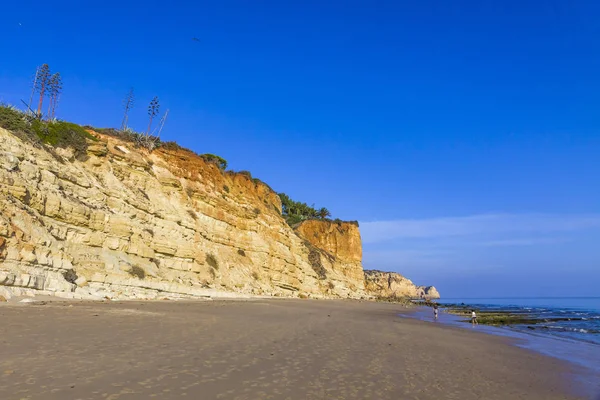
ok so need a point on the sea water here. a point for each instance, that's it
(580, 316)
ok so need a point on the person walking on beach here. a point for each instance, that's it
(435, 311)
(474, 318)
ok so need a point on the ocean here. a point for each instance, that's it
(579, 316)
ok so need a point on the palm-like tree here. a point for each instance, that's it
(323, 213)
(152, 112)
(54, 90)
(41, 82)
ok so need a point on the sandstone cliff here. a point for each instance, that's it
(392, 284)
(120, 222)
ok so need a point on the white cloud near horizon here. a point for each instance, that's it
(479, 225)
(524, 242)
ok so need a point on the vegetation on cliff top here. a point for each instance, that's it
(130, 136)
(64, 134)
(53, 132)
(57, 133)
(295, 212)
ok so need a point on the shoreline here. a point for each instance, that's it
(296, 349)
(582, 356)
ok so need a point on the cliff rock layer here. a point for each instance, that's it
(392, 284)
(338, 241)
(120, 222)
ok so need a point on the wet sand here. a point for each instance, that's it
(263, 349)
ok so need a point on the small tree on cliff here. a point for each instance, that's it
(148, 139)
(41, 84)
(161, 124)
(153, 110)
(54, 91)
(128, 105)
(323, 213)
(33, 90)
(295, 211)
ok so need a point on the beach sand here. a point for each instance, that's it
(262, 349)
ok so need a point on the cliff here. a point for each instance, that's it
(339, 241)
(116, 221)
(392, 284)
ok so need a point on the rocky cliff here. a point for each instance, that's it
(120, 222)
(339, 241)
(392, 284)
(112, 220)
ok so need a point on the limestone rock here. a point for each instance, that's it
(392, 284)
(126, 223)
(429, 292)
(5, 293)
(81, 281)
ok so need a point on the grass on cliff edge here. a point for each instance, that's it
(131, 136)
(54, 133)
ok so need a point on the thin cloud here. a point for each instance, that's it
(524, 242)
(404, 257)
(483, 224)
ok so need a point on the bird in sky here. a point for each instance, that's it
(195, 39)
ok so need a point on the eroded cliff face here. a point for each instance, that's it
(335, 241)
(124, 223)
(392, 285)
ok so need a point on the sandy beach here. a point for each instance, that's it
(262, 349)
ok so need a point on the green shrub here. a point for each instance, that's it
(110, 132)
(245, 173)
(12, 119)
(295, 211)
(171, 146)
(293, 219)
(138, 272)
(226, 188)
(212, 261)
(314, 258)
(63, 134)
(192, 214)
(70, 276)
(218, 161)
(54, 133)
(241, 252)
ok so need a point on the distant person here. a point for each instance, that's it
(474, 318)
(435, 311)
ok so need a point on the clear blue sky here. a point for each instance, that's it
(463, 135)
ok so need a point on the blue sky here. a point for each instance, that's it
(463, 135)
